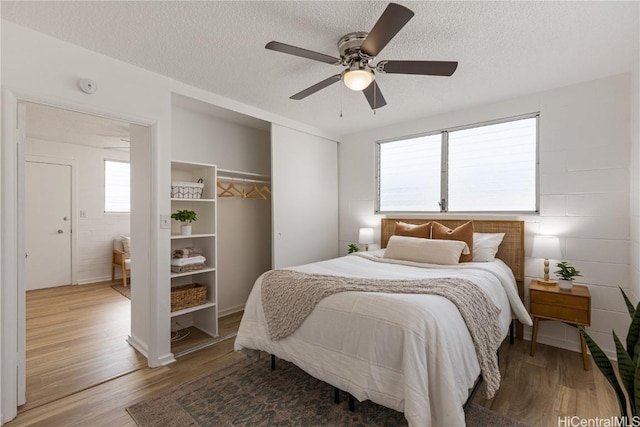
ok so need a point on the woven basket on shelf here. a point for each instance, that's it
(186, 190)
(185, 296)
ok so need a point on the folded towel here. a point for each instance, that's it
(187, 252)
(186, 268)
(179, 262)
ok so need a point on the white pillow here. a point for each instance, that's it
(126, 245)
(485, 246)
(445, 252)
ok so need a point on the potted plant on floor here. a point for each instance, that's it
(628, 365)
(186, 217)
(566, 274)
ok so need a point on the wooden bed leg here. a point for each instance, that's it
(336, 395)
(352, 403)
(512, 328)
(273, 362)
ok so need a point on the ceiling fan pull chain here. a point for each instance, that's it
(341, 89)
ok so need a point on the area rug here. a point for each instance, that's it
(121, 289)
(248, 393)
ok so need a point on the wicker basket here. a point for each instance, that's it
(185, 296)
(186, 190)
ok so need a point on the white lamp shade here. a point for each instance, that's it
(365, 236)
(547, 247)
(357, 79)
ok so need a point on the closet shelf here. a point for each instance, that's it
(228, 173)
(192, 273)
(191, 236)
(192, 200)
(192, 309)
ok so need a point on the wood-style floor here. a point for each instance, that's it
(535, 390)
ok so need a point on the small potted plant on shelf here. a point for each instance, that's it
(186, 217)
(353, 248)
(566, 274)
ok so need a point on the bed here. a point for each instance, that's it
(409, 352)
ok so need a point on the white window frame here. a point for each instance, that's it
(444, 165)
(104, 176)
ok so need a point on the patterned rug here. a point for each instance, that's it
(248, 393)
(124, 291)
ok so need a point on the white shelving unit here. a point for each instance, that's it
(205, 316)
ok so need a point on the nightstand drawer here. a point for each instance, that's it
(568, 301)
(560, 313)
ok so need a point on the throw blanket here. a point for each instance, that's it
(288, 297)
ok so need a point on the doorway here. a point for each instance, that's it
(76, 324)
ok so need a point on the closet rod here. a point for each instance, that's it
(247, 180)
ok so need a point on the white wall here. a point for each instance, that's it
(584, 189)
(634, 259)
(244, 225)
(97, 230)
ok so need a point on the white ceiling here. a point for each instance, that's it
(504, 49)
(59, 125)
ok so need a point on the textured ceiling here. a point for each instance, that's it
(504, 49)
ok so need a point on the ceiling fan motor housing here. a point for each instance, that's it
(349, 48)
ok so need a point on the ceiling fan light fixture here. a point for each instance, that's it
(357, 78)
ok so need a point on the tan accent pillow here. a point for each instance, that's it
(443, 252)
(463, 233)
(422, 231)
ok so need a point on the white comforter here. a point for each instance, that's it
(412, 353)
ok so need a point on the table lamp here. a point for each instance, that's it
(365, 237)
(546, 247)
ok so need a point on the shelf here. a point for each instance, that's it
(207, 304)
(239, 174)
(192, 236)
(180, 199)
(192, 273)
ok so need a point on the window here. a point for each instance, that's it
(485, 168)
(116, 186)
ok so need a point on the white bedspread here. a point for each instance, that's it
(412, 353)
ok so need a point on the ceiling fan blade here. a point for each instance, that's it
(304, 53)
(390, 23)
(374, 96)
(316, 87)
(427, 68)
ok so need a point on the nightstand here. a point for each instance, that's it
(549, 302)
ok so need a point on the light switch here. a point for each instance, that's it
(165, 221)
(83, 214)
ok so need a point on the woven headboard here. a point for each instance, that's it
(511, 249)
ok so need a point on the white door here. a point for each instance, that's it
(304, 181)
(47, 225)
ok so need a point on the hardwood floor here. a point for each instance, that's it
(75, 338)
(535, 390)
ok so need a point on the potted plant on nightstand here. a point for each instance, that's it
(566, 274)
(186, 217)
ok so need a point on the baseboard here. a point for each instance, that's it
(166, 359)
(140, 346)
(566, 345)
(230, 310)
(97, 280)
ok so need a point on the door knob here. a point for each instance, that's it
(60, 231)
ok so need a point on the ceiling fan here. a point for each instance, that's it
(357, 51)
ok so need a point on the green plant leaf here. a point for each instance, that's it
(630, 307)
(604, 364)
(627, 371)
(634, 333)
(636, 391)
